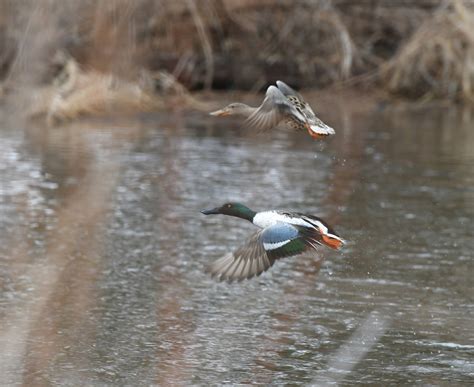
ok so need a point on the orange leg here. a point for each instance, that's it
(331, 242)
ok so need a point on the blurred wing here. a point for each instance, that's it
(261, 251)
(274, 108)
(299, 104)
(246, 262)
(287, 91)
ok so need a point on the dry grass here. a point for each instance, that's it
(418, 49)
(75, 93)
(438, 60)
(106, 46)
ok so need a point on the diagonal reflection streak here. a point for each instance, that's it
(344, 360)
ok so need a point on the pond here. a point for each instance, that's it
(103, 252)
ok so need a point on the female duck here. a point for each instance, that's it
(281, 104)
(282, 234)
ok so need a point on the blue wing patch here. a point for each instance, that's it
(284, 240)
(279, 233)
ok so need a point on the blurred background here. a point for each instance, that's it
(107, 155)
(419, 50)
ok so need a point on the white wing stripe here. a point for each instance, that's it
(276, 245)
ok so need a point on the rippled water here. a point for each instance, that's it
(103, 250)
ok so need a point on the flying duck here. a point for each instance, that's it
(281, 104)
(281, 234)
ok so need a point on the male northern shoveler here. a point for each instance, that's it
(282, 234)
(281, 103)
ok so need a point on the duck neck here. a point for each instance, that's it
(249, 215)
(244, 213)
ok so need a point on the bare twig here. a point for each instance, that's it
(205, 42)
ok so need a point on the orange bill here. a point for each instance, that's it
(220, 113)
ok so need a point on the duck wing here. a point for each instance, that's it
(296, 100)
(261, 251)
(287, 91)
(316, 126)
(274, 108)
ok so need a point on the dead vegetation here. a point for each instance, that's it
(75, 93)
(438, 60)
(422, 49)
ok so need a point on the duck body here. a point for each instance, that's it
(281, 104)
(281, 234)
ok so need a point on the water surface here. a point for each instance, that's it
(103, 250)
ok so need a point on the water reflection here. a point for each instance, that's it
(103, 249)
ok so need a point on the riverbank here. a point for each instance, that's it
(414, 50)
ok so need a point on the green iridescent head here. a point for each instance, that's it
(232, 209)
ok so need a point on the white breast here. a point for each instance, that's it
(266, 218)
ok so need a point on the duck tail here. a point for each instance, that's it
(322, 236)
(320, 130)
(324, 233)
